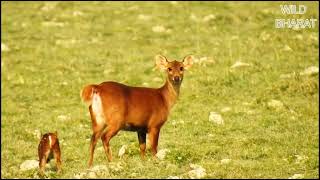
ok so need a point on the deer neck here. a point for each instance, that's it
(170, 92)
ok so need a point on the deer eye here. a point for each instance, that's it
(169, 69)
(181, 68)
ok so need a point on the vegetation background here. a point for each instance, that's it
(269, 105)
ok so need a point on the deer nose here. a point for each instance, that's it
(176, 78)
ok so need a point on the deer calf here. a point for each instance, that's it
(49, 147)
(114, 106)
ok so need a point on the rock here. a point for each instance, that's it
(162, 153)
(313, 70)
(197, 172)
(225, 161)
(297, 176)
(216, 118)
(29, 164)
(275, 104)
(239, 64)
(122, 150)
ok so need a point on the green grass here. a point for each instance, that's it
(47, 66)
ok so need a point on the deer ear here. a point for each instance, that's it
(187, 61)
(161, 62)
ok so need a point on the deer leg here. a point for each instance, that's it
(57, 156)
(142, 143)
(43, 161)
(97, 130)
(106, 137)
(153, 137)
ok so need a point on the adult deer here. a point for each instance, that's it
(114, 106)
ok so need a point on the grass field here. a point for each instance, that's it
(51, 50)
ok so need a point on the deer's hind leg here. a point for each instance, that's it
(97, 131)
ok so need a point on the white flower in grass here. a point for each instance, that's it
(49, 6)
(287, 48)
(209, 18)
(53, 24)
(297, 176)
(98, 168)
(77, 13)
(122, 150)
(4, 48)
(216, 118)
(300, 158)
(312, 70)
(225, 161)
(158, 29)
(64, 117)
(173, 177)
(144, 17)
(174, 2)
(193, 17)
(37, 134)
(239, 64)
(275, 104)
(226, 109)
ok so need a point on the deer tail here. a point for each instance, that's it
(87, 93)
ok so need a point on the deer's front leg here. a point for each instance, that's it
(153, 137)
(142, 143)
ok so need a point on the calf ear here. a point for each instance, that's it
(187, 61)
(161, 62)
(56, 133)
